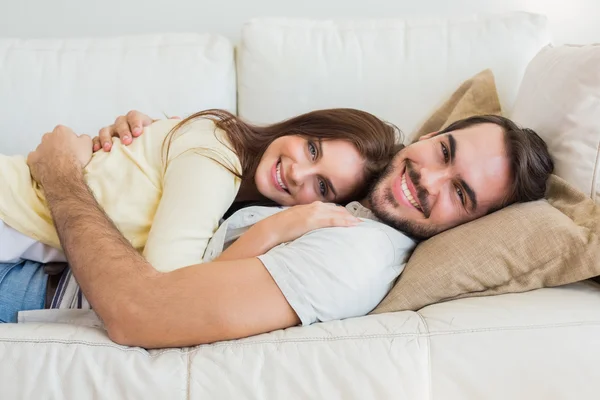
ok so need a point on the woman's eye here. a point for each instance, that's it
(322, 188)
(312, 149)
(445, 153)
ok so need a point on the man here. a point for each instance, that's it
(466, 171)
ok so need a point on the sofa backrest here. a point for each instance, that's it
(397, 69)
(86, 83)
(400, 70)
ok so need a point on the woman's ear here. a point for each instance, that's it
(429, 135)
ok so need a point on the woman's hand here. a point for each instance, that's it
(296, 221)
(286, 226)
(126, 127)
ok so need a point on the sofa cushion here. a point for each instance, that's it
(398, 69)
(560, 99)
(463, 349)
(86, 83)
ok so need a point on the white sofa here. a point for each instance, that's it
(544, 344)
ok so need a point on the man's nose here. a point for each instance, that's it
(433, 179)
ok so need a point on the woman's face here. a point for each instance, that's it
(297, 170)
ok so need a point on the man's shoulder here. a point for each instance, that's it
(368, 237)
(398, 238)
(250, 215)
(393, 234)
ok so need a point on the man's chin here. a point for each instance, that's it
(390, 216)
(387, 209)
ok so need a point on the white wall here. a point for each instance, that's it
(572, 21)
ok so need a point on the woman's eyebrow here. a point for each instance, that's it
(331, 187)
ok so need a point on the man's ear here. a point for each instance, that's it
(429, 135)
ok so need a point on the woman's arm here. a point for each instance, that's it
(197, 191)
(286, 226)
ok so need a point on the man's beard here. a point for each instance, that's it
(380, 197)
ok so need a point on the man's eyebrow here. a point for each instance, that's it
(471, 194)
(452, 143)
(320, 146)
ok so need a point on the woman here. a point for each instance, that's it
(167, 191)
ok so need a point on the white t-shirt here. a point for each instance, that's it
(327, 274)
(330, 273)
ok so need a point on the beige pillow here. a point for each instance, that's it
(522, 247)
(559, 98)
(476, 96)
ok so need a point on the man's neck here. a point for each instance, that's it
(365, 203)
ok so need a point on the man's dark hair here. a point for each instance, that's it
(530, 161)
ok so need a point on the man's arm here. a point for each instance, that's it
(142, 307)
(139, 305)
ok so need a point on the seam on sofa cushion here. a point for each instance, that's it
(304, 340)
(188, 389)
(429, 369)
(154, 354)
(400, 335)
(517, 328)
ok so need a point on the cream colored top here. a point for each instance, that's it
(168, 213)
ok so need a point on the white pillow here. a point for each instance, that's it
(85, 83)
(559, 98)
(399, 69)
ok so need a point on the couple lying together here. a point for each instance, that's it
(138, 220)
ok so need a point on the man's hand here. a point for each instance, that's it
(59, 149)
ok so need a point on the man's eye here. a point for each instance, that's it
(460, 195)
(312, 149)
(445, 153)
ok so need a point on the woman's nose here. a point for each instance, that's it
(298, 173)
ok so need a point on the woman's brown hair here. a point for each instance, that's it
(374, 139)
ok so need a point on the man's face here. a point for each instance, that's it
(443, 181)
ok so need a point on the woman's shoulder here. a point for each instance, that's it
(199, 124)
(198, 130)
(201, 134)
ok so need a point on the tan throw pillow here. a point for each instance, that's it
(522, 247)
(476, 96)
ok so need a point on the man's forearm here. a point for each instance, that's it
(104, 263)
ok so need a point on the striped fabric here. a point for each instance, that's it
(68, 294)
